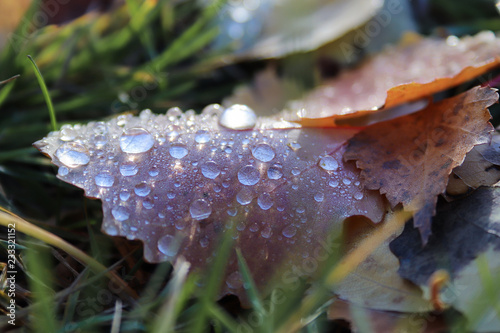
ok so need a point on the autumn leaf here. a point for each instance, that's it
(178, 181)
(413, 70)
(409, 158)
(465, 242)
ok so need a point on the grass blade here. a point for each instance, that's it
(45, 92)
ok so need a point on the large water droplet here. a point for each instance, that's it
(178, 151)
(168, 245)
(238, 117)
(265, 201)
(248, 175)
(210, 170)
(136, 140)
(129, 169)
(202, 136)
(289, 231)
(234, 280)
(73, 155)
(263, 152)
(142, 189)
(120, 213)
(200, 209)
(67, 133)
(244, 196)
(275, 171)
(328, 163)
(104, 179)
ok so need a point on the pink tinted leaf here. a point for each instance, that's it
(179, 181)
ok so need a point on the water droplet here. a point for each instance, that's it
(212, 110)
(142, 189)
(263, 152)
(294, 145)
(170, 195)
(232, 211)
(63, 171)
(328, 163)
(295, 171)
(73, 155)
(333, 183)
(248, 175)
(244, 196)
(120, 213)
(234, 281)
(300, 210)
(148, 204)
(204, 242)
(346, 181)
(265, 201)
(358, 195)
(154, 172)
(200, 209)
(275, 172)
(168, 245)
(124, 195)
(202, 136)
(266, 232)
(178, 151)
(136, 140)
(289, 231)
(104, 179)
(129, 169)
(67, 133)
(210, 170)
(238, 117)
(319, 197)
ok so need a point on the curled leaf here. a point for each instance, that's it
(410, 158)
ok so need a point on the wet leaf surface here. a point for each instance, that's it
(179, 181)
(410, 158)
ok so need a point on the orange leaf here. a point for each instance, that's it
(399, 75)
(409, 158)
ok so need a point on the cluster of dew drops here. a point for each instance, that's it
(134, 139)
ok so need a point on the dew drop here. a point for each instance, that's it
(154, 172)
(200, 209)
(346, 181)
(104, 179)
(124, 195)
(148, 204)
(142, 189)
(202, 136)
(275, 171)
(73, 155)
(263, 152)
(248, 175)
(358, 195)
(67, 133)
(136, 140)
(300, 210)
(244, 196)
(129, 169)
(294, 145)
(204, 242)
(210, 170)
(178, 151)
(170, 195)
(266, 232)
(168, 245)
(234, 281)
(120, 213)
(289, 231)
(232, 211)
(254, 227)
(328, 163)
(319, 197)
(295, 171)
(62, 171)
(333, 183)
(265, 201)
(238, 117)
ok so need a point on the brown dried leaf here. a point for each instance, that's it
(410, 158)
(398, 75)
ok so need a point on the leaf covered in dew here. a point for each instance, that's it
(416, 69)
(179, 181)
(410, 158)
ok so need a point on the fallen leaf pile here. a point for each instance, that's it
(179, 181)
